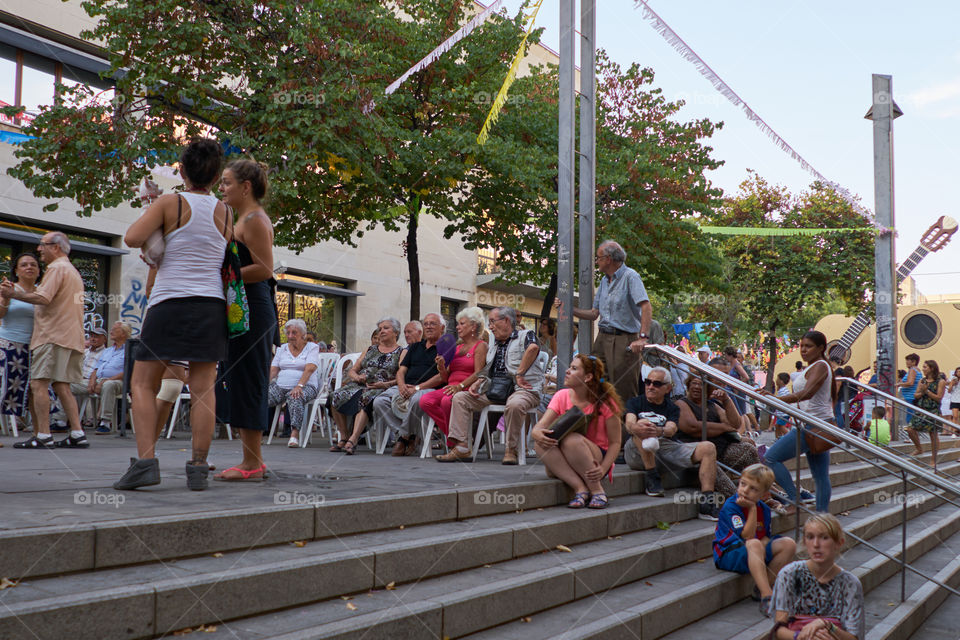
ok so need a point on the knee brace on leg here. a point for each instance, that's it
(169, 390)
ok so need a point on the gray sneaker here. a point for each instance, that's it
(651, 483)
(142, 473)
(197, 476)
(765, 606)
(708, 509)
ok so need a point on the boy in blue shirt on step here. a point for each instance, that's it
(743, 542)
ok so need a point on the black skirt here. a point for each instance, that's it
(192, 329)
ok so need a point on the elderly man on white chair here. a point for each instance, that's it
(513, 378)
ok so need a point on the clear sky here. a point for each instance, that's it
(805, 67)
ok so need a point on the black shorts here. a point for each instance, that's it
(192, 329)
(955, 405)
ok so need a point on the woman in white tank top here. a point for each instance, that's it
(813, 390)
(186, 313)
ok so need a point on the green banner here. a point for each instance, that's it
(780, 231)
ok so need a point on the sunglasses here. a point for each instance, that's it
(656, 384)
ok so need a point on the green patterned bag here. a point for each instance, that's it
(238, 309)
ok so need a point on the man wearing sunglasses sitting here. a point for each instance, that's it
(652, 424)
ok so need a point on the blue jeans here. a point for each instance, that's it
(785, 449)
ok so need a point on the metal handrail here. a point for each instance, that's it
(706, 371)
(803, 417)
(900, 401)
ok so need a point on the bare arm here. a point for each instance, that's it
(257, 235)
(692, 427)
(529, 356)
(613, 444)
(815, 376)
(151, 220)
(274, 372)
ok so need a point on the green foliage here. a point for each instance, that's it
(299, 86)
(781, 284)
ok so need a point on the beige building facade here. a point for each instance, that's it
(340, 291)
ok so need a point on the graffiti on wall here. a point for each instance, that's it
(134, 304)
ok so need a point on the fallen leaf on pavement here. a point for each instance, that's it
(564, 548)
(391, 586)
(351, 606)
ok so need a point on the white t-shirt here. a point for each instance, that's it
(291, 368)
(955, 394)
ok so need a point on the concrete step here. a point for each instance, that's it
(441, 558)
(926, 533)
(119, 543)
(477, 599)
(702, 604)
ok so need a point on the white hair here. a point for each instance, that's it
(296, 323)
(667, 378)
(613, 250)
(443, 323)
(474, 315)
(393, 322)
(62, 241)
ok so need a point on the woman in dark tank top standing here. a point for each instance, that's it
(244, 185)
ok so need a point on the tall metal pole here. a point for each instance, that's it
(565, 164)
(588, 165)
(883, 112)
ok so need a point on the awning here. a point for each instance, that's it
(309, 287)
(53, 50)
(86, 247)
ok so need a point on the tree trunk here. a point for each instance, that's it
(771, 385)
(413, 259)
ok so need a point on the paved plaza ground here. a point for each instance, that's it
(67, 487)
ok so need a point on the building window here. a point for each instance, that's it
(449, 310)
(28, 80)
(316, 302)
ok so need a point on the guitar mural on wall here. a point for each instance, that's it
(934, 239)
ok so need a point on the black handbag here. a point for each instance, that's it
(574, 420)
(499, 390)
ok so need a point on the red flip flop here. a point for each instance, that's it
(246, 475)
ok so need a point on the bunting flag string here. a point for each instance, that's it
(446, 45)
(726, 91)
(501, 98)
(780, 231)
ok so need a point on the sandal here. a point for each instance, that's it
(579, 500)
(598, 501)
(293, 443)
(246, 475)
(337, 448)
(35, 443)
(348, 448)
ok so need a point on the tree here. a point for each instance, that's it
(773, 280)
(299, 86)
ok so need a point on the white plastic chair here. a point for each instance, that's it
(175, 414)
(343, 364)
(317, 408)
(483, 431)
(427, 427)
(11, 427)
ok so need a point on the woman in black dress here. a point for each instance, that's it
(247, 374)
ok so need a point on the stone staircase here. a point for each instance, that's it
(497, 562)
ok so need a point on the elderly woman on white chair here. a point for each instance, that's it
(293, 376)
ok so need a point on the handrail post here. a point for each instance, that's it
(845, 407)
(903, 540)
(704, 392)
(796, 497)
